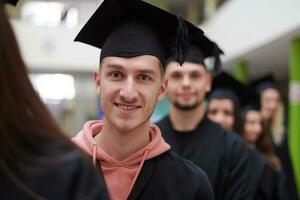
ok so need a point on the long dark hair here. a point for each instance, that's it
(263, 143)
(25, 124)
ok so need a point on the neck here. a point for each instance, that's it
(121, 144)
(186, 120)
(251, 145)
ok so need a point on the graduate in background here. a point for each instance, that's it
(221, 154)
(224, 103)
(272, 109)
(132, 157)
(254, 131)
(225, 100)
(256, 136)
(37, 160)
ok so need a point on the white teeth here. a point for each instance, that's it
(127, 107)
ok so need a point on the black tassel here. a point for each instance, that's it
(181, 41)
(217, 60)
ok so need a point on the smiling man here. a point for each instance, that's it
(135, 161)
(221, 154)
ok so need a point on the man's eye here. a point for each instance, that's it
(195, 75)
(116, 75)
(144, 77)
(176, 76)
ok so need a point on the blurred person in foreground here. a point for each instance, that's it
(132, 157)
(37, 161)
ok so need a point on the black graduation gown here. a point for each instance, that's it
(170, 177)
(262, 177)
(221, 154)
(279, 185)
(69, 177)
(287, 184)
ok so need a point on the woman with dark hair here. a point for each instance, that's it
(37, 161)
(256, 136)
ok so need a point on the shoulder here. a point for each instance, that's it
(85, 178)
(164, 122)
(192, 176)
(72, 169)
(230, 140)
(255, 155)
(234, 149)
(185, 169)
(59, 165)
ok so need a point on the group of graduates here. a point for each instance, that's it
(146, 53)
(255, 112)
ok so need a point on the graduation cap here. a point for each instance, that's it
(253, 104)
(200, 48)
(128, 28)
(225, 86)
(263, 83)
(209, 49)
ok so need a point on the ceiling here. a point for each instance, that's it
(272, 57)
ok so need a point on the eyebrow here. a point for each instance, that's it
(146, 71)
(117, 66)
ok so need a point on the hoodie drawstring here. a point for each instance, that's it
(94, 154)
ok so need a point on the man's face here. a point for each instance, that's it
(221, 111)
(270, 101)
(187, 85)
(129, 89)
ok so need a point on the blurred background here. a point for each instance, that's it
(256, 36)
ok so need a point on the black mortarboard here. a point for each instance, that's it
(200, 48)
(263, 83)
(225, 86)
(128, 28)
(253, 104)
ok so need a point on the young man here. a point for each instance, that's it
(222, 155)
(135, 161)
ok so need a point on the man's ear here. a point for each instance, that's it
(96, 77)
(162, 90)
(208, 82)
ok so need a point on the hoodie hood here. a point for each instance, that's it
(85, 140)
(120, 176)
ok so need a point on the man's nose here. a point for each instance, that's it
(186, 81)
(128, 92)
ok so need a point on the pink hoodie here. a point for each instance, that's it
(120, 176)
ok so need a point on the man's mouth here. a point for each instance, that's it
(185, 94)
(127, 107)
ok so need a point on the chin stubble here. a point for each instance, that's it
(186, 107)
